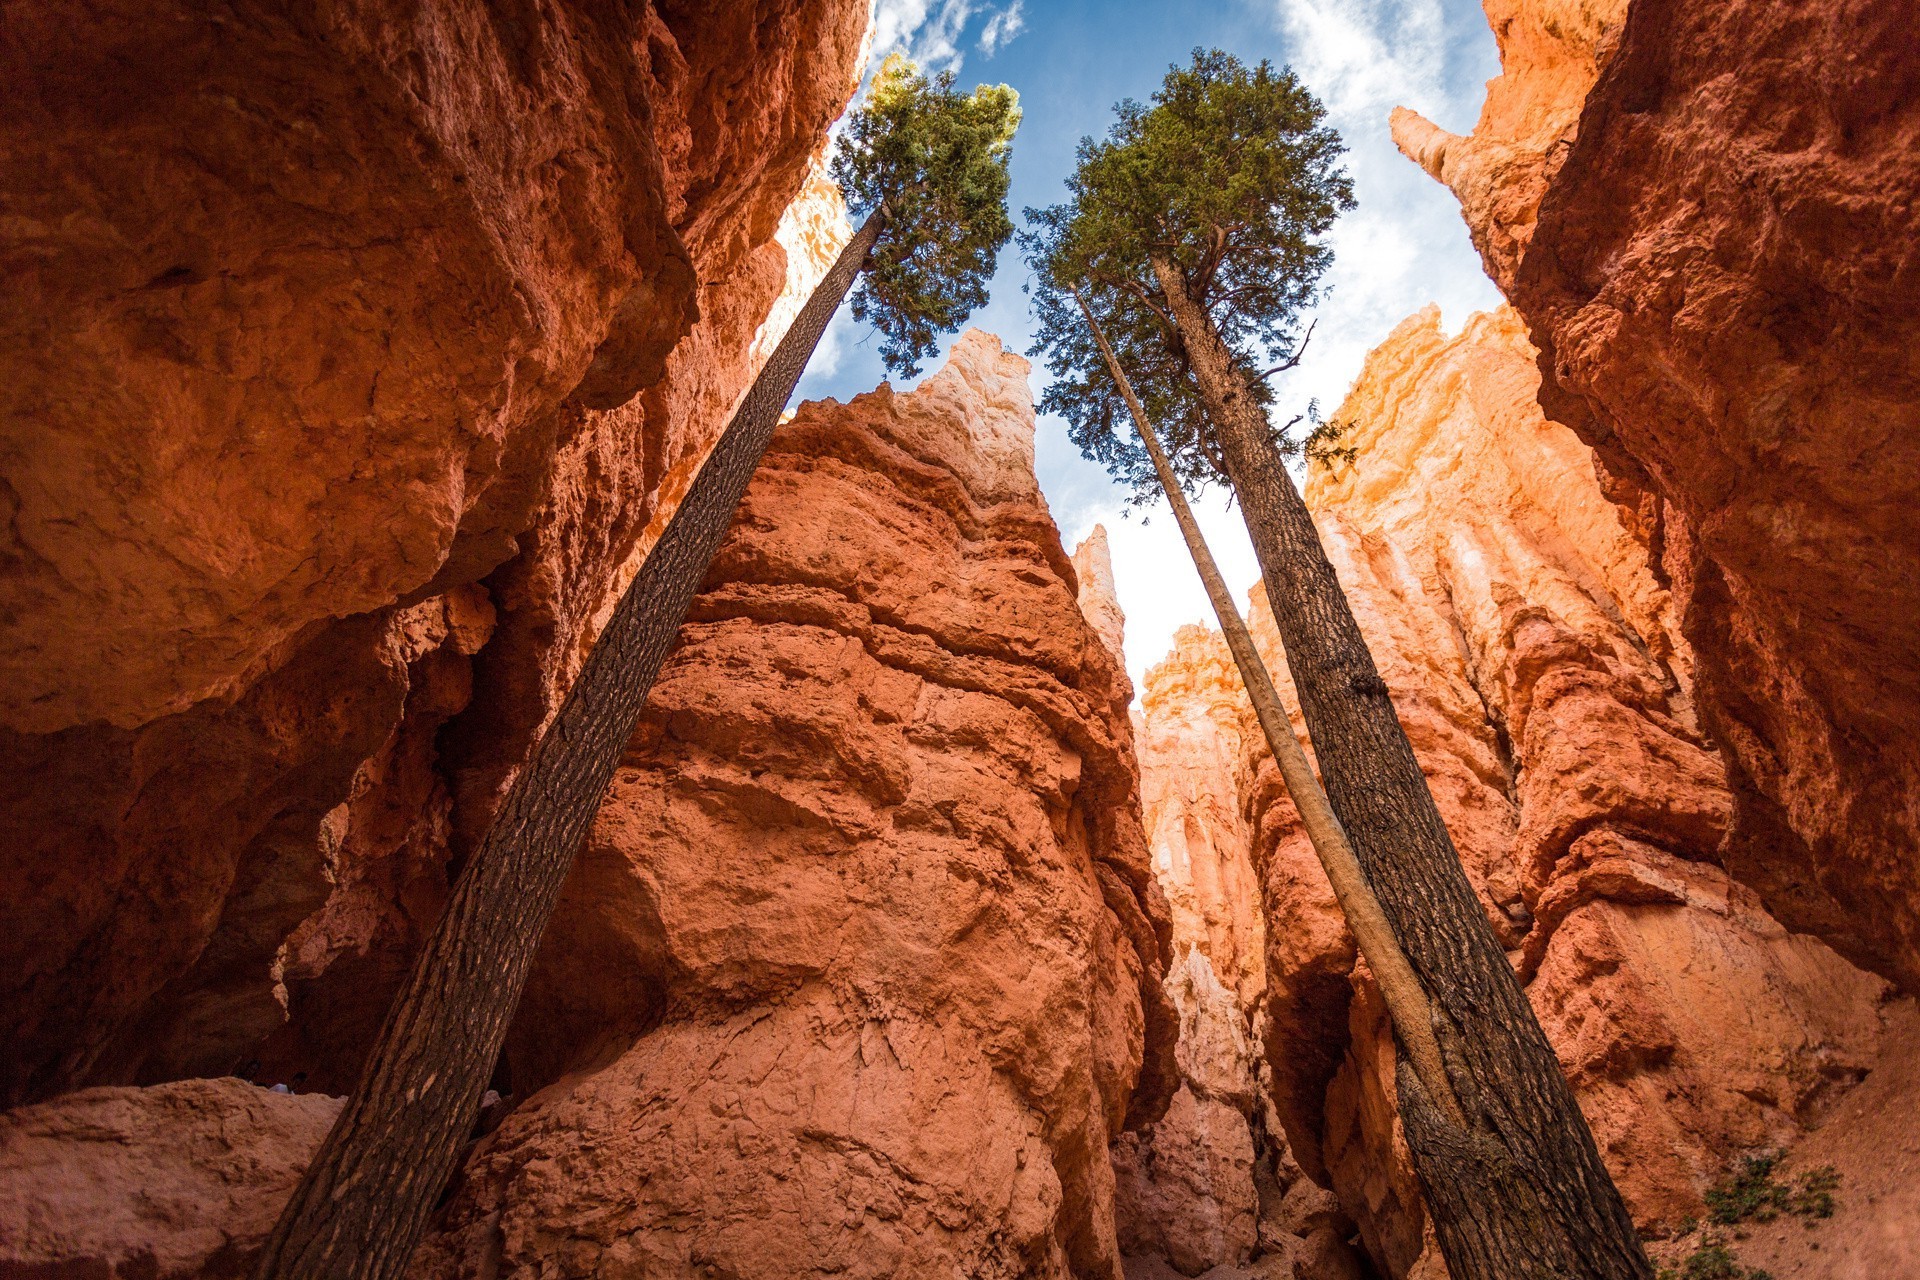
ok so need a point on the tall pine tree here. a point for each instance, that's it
(1198, 226)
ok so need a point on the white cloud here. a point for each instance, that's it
(1153, 575)
(1003, 27)
(933, 32)
(1403, 247)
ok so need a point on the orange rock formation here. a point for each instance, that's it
(1709, 217)
(349, 361)
(858, 970)
(1187, 1183)
(1533, 656)
(180, 1181)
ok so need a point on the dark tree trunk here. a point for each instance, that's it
(364, 1201)
(1522, 1194)
(1406, 999)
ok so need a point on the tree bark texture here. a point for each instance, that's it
(1522, 1193)
(365, 1200)
(1406, 1000)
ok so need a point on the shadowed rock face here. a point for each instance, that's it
(1714, 240)
(375, 346)
(857, 972)
(181, 1181)
(1534, 658)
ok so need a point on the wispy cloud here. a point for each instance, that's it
(1002, 27)
(1404, 246)
(934, 32)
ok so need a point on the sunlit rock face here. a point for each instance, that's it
(1535, 662)
(858, 971)
(1551, 52)
(351, 361)
(1692, 1024)
(1187, 1184)
(1717, 260)
(1212, 1187)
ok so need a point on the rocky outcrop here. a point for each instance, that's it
(1213, 1187)
(1186, 1183)
(177, 1182)
(1535, 660)
(1713, 244)
(352, 359)
(858, 970)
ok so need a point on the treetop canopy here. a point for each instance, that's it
(937, 159)
(1230, 175)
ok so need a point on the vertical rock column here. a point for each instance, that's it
(858, 971)
(1709, 217)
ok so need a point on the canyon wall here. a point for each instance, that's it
(1709, 218)
(860, 970)
(857, 972)
(353, 358)
(1213, 1183)
(1534, 656)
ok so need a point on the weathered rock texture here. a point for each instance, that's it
(858, 970)
(1709, 216)
(350, 355)
(1212, 1187)
(1531, 648)
(1187, 1182)
(175, 1182)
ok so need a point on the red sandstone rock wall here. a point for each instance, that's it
(1187, 1182)
(1533, 654)
(1213, 1184)
(858, 970)
(180, 1181)
(1708, 216)
(370, 342)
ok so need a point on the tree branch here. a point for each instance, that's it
(1293, 360)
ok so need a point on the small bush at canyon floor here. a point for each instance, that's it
(1753, 1194)
(1712, 1261)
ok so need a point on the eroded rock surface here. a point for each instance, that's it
(1535, 659)
(371, 346)
(1708, 216)
(1692, 1024)
(859, 967)
(1187, 1186)
(174, 1182)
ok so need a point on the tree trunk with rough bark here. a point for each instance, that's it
(1406, 1001)
(1521, 1194)
(364, 1202)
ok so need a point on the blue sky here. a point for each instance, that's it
(1404, 247)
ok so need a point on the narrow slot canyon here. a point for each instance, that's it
(356, 360)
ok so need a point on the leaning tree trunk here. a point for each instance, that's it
(1523, 1193)
(364, 1201)
(1406, 1000)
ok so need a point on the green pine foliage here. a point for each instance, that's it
(937, 159)
(1233, 173)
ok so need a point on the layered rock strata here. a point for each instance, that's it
(351, 356)
(1213, 1187)
(1709, 217)
(857, 973)
(1534, 656)
(1187, 1182)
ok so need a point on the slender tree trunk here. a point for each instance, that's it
(364, 1201)
(1407, 1004)
(1523, 1193)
